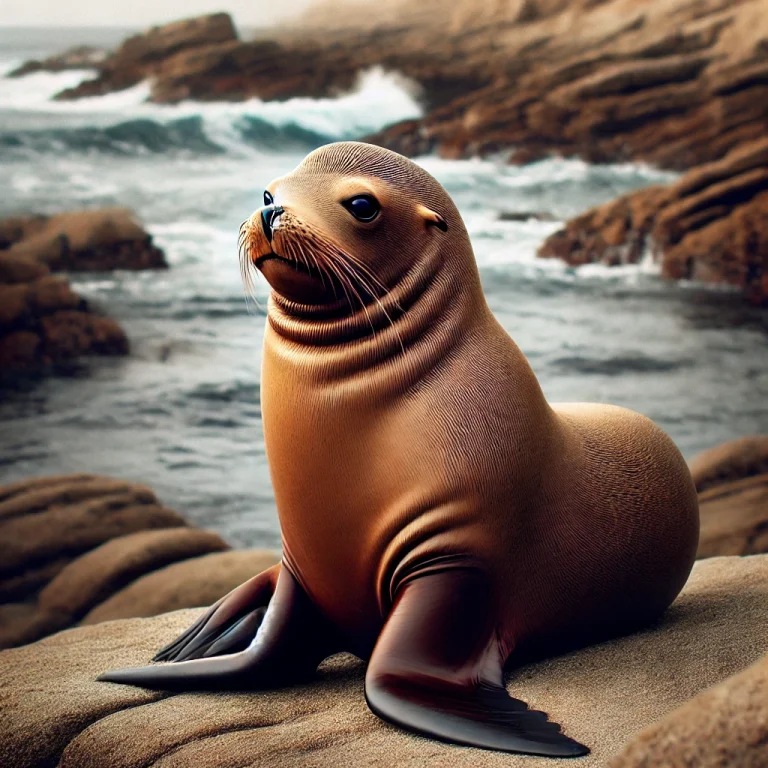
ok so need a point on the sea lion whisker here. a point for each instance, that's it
(371, 292)
(359, 270)
(343, 281)
(246, 271)
(317, 265)
(334, 250)
(346, 283)
(305, 260)
(368, 273)
(364, 306)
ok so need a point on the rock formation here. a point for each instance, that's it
(44, 325)
(675, 83)
(80, 57)
(672, 82)
(56, 713)
(732, 480)
(195, 581)
(734, 460)
(710, 226)
(79, 241)
(77, 547)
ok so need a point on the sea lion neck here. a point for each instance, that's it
(429, 297)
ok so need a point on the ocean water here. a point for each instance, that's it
(182, 413)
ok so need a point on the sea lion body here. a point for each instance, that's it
(584, 514)
(438, 516)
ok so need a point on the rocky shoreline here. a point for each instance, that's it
(681, 84)
(44, 325)
(81, 549)
(106, 559)
(710, 226)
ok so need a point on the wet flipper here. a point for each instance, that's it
(255, 649)
(436, 670)
(167, 652)
(221, 617)
(239, 636)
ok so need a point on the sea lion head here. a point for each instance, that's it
(347, 224)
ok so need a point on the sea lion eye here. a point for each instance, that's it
(268, 199)
(363, 207)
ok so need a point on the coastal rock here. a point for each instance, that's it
(734, 460)
(734, 518)
(98, 574)
(674, 83)
(44, 325)
(93, 577)
(710, 226)
(724, 726)
(58, 713)
(47, 525)
(732, 481)
(137, 58)
(202, 59)
(79, 57)
(160, 42)
(90, 240)
(15, 228)
(260, 69)
(186, 584)
(67, 520)
(92, 548)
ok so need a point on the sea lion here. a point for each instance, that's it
(439, 517)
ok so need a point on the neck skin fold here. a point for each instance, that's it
(428, 309)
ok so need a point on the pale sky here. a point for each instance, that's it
(140, 13)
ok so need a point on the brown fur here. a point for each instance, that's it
(412, 429)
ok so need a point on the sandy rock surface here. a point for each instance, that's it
(603, 695)
(77, 547)
(724, 726)
(197, 581)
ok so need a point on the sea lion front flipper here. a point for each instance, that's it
(221, 618)
(436, 670)
(284, 643)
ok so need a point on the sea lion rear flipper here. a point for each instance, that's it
(245, 641)
(436, 670)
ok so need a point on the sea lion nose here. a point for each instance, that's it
(268, 215)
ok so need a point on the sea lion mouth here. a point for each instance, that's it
(295, 265)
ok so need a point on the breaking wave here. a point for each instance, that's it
(124, 123)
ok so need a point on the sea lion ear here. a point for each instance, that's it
(433, 218)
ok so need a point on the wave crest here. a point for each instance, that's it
(379, 99)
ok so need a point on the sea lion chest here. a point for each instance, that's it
(374, 482)
(342, 478)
